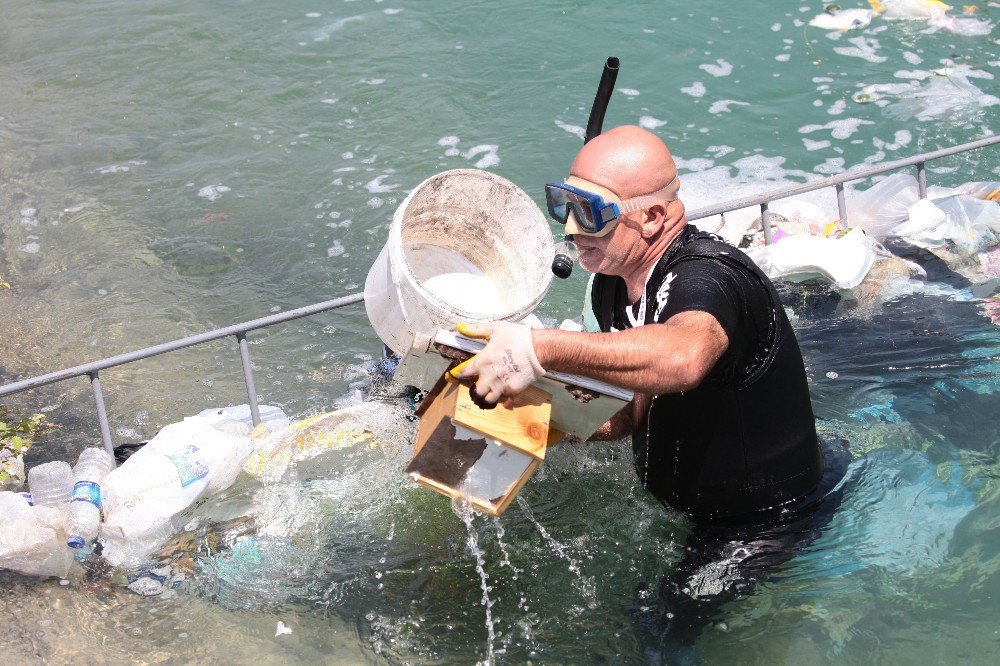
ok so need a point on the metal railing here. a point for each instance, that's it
(239, 331)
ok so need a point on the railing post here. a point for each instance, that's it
(102, 414)
(922, 179)
(841, 205)
(765, 221)
(248, 377)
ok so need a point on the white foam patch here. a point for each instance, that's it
(694, 164)
(917, 74)
(775, 27)
(375, 202)
(837, 108)
(840, 129)
(31, 248)
(449, 140)
(783, 57)
(863, 48)
(912, 58)
(722, 106)
(831, 166)
(114, 168)
(949, 95)
(313, 15)
(631, 92)
(375, 185)
(719, 151)
(330, 100)
(489, 152)
(212, 192)
(372, 82)
(901, 139)
(392, 11)
(815, 145)
(696, 89)
(336, 249)
(324, 33)
(572, 129)
(719, 68)
(651, 123)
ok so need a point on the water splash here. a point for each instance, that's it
(463, 509)
(503, 549)
(556, 546)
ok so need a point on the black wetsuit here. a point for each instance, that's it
(744, 440)
(739, 454)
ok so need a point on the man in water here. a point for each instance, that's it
(722, 426)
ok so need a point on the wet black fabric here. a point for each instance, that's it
(744, 441)
(723, 562)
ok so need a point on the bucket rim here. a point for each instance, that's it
(398, 261)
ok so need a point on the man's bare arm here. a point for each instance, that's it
(655, 359)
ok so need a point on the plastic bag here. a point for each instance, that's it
(844, 262)
(184, 463)
(33, 538)
(883, 206)
(974, 224)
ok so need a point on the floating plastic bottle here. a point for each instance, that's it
(85, 508)
(51, 484)
(31, 537)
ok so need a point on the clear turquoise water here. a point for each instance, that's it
(120, 125)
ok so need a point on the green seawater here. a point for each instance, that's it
(169, 168)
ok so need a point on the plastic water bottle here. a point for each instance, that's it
(85, 508)
(51, 484)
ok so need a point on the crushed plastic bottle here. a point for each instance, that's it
(184, 463)
(85, 508)
(51, 484)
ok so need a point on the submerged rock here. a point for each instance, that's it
(194, 256)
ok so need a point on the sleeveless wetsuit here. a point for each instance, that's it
(744, 441)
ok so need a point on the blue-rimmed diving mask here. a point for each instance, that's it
(587, 208)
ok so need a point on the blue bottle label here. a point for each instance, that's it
(87, 491)
(190, 466)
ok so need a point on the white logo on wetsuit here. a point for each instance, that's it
(662, 294)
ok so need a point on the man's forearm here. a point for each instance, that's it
(653, 359)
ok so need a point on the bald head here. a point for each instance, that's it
(627, 160)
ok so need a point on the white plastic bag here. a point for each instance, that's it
(32, 538)
(844, 262)
(883, 206)
(974, 224)
(927, 225)
(184, 463)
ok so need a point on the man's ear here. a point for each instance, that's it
(653, 219)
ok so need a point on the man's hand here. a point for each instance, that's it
(507, 364)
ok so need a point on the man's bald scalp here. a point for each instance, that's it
(628, 160)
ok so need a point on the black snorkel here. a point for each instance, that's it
(562, 264)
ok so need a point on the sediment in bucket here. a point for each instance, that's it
(465, 246)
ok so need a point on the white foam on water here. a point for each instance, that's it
(783, 57)
(693, 164)
(372, 82)
(375, 202)
(811, 145)
(775, 27)
(840, 129)
(324, 33)
(631, 92)
(949, 93)
(696, 89)
(375, 185)
(489, 152)
(863, 48)
(392, 11)
(719, 68)
(449, 140)
(837, 107)
(30, 248)
(912, 58)
(212, 192)
(901, 139)
(329, 100)
(313, 15)
(918, 74)
(335, 250)
(831, 166)
(28, 212)
(113, 168)
(722, 105)
(651, 123)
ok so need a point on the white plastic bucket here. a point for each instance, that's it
(465, 246)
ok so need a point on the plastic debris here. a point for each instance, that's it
(282, 629)
(844, 262)
(842, 19)
(32, 538)
(184, 463)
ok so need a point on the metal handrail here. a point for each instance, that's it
(240, 331)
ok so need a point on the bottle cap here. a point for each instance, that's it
(75, 542)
